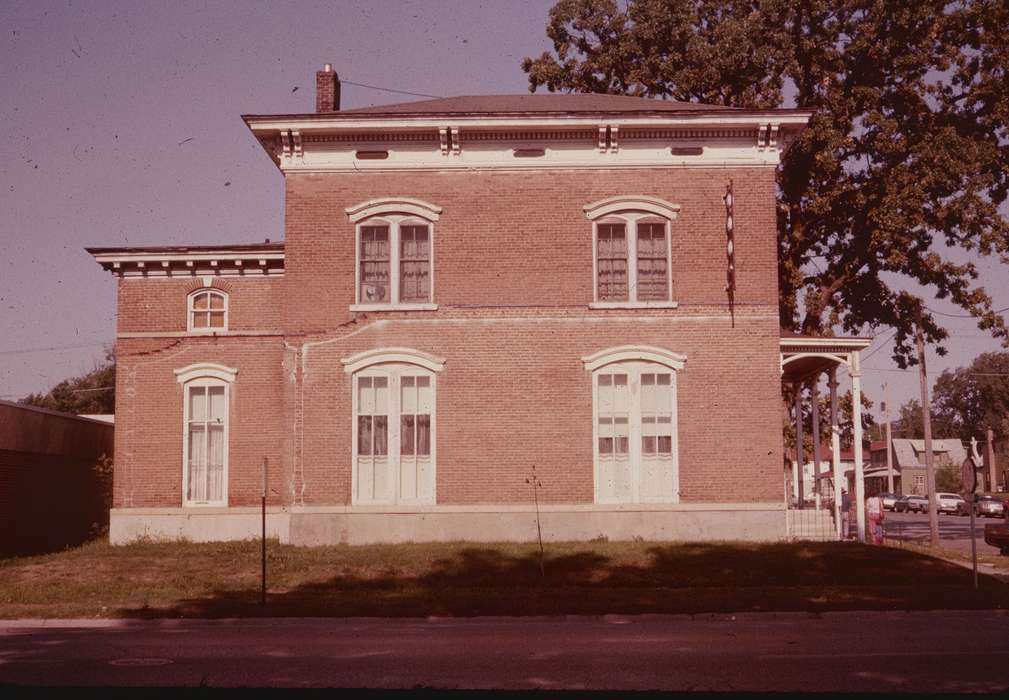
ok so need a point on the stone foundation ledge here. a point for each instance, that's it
(320, 525)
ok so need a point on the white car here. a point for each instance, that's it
(949, 502)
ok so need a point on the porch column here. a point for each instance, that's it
(797, 473)
(835, 451)
(856, 419)
(814, 401)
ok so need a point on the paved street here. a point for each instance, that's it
(927, 651)
(954, 530)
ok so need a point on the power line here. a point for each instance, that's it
(51, 348)
(885, 343)
(400, 92)
(940, 313)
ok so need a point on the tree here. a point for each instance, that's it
(845, 422)
(972, 399)
(93, 392)
(948, 478)
(910, 423)
(905, 157)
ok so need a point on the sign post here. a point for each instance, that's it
(968, 473)
(263, 595)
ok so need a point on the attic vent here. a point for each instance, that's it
(529, 152)
(687, 150)
(371, 155)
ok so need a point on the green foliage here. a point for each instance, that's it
(93, 392)
(903, 164)
(972, 399)
(948, 479)
(103, 471)
(845, 420)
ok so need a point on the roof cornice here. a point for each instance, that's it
(192, 261)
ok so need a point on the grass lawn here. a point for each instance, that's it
(178, 579)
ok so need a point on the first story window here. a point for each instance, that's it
(394, 435)
(206, 394)
(206, 436)
(635, 433)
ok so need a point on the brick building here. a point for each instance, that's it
(468, 290)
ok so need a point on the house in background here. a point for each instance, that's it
(909, 461)
(847, 468)
(472, 291)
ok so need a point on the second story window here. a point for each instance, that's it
(395, 254)
(632, 252)
(208, 311)
(395, 261)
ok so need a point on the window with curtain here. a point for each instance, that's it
(206, 443)
(394, 441)
(635, 413)
(394, 261)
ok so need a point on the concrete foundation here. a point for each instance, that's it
(320, 525)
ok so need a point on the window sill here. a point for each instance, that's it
(393, 307)
(633, 305)
(208, 331)
(198, 505)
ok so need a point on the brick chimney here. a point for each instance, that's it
(327, 90)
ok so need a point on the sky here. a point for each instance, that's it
(121, 126)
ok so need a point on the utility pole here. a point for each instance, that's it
(926, 416)
(889, 440)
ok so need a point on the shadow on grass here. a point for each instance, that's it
(678, 578)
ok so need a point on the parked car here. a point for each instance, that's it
(949, 502)
(989, 507)
(998, 536)
(911, 504)
(889, 500)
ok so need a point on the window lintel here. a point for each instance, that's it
(613, 205)
(393, 205)
(362, 360)
(631, 353)
(204, 370)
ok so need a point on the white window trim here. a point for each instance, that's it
(628, 210)
(393, 363)
(205, 375)
(632, 359)
(190, 328)
(395, 212)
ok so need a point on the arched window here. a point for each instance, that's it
(395, 254)
(394, 446)
(206, 394)
(208, 311)
(635, 424)
(632, 244)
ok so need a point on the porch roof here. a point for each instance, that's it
(803, 356)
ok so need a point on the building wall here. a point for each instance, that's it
(513, 279)
(522, 239)
(50, 496)
(149, 417)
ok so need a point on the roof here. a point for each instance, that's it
(551, 102)
(911, 453)
(547, 104)
(186, 260)
(189, 249)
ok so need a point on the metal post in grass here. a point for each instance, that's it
(262, 600)
(969, 477)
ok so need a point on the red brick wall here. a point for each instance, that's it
(515, 393)
(160, 303)
(513, 278)
(523, 239)
(149, 416)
